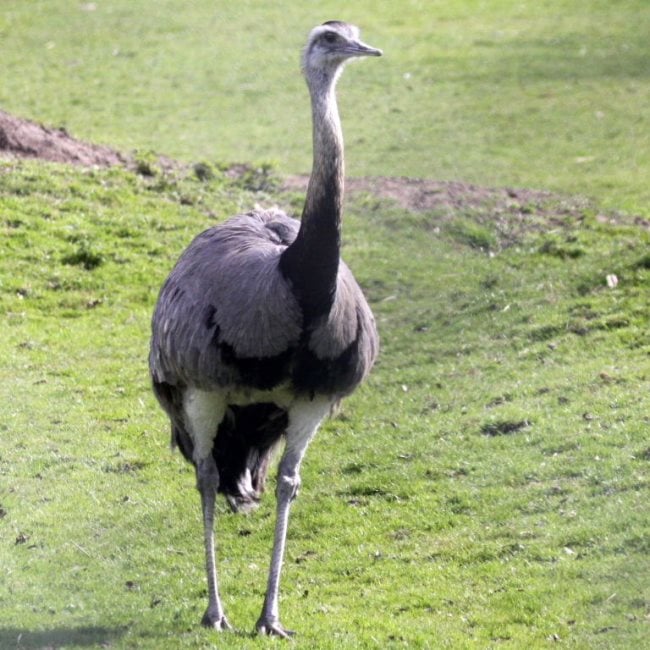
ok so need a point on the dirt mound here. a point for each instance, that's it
(21, 138)
(424, 195)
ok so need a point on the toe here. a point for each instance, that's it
(273, 628)
(215, 621)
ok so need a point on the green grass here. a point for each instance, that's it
(548, 95)
(488, 485)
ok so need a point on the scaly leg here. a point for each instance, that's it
(208, 482)
(304, 419)
(203, 412)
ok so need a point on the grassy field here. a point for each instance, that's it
(548, 95)
(488, 486)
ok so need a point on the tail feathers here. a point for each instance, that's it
(250, 484)
(243, 451)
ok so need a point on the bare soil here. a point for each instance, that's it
(513, 211)
(21, 138)
(424, 195)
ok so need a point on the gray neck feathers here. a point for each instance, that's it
(311, 262)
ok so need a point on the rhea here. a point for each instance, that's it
(260, 329)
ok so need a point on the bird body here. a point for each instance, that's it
(247, 329)
(228, 323)
(260, 329)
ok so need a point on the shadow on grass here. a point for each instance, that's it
(69, 637)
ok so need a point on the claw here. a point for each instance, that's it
(215, 622)
(273, 628)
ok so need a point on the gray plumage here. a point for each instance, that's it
(227, 286)
(260, 329)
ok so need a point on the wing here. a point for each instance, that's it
(226, 301)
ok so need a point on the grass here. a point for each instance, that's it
(550, 95)
(488, 486)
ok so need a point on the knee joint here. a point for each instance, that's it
(288, 486)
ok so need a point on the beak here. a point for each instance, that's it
(359, 48)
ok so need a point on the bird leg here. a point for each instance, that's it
(303, 423)
(287, 488)
(207, 484)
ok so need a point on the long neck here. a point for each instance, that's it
(311, 262)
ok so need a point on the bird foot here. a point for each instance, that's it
(272, 627)
(215, 621)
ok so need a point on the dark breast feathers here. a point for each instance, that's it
(247, 328)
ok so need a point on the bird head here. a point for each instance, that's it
(332, 44)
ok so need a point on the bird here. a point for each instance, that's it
(260, 330)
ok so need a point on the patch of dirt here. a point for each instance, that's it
(511, 212)
(503, 427)
(423, 195)
(21, 138)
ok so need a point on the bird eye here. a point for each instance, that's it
(330, 37)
